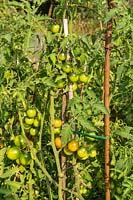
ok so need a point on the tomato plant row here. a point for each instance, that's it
(39, 63)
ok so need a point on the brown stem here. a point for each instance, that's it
(50, 10)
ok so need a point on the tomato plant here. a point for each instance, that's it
(52, 82)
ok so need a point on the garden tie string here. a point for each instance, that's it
(92, 136)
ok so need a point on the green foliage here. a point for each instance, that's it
(30, 69)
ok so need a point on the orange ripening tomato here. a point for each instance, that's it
(58, 142)
(73, 145)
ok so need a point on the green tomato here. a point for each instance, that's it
(67, 68)
(36, 123)
(31, 113)
(92, 153)
(67, 151)
(19, 141)
(39, 115)
(82, 153)
(33, 131)
(83, 190)
(77, 51)
(55, 28)
(74, 86)
(13, 153)
(73, 77)
(25, 158)
(56, 130)
(62, 56)
(89, 184)
(119, 190)
(89, 112)
(29, 121)
(27, 128)
(83, 78)
(61, 84)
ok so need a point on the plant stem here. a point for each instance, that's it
(34, 154)
(77, 179)
(56, 154)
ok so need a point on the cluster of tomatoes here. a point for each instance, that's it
(82, 152)
(73, 145)
(18, 151)
(32, 121)
(75, 76)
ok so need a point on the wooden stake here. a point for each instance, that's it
(63, 157)
(106, 103)
(64, 96)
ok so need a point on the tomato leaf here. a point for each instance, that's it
(53, 58)
(2, 153)
(111, 13)
(86, 124)
(10, 172)
(101, 107)
(125, 132)
(5, 191)
(66, 133)
(15, 185)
